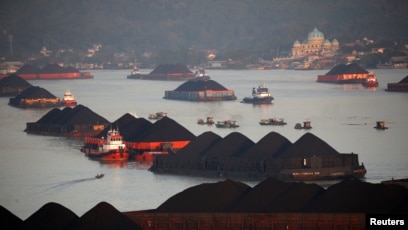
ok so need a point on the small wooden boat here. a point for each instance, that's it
(380, 125)
(226, 124)
(306, 125)
(99, 176)
(157, 116)
(209, 121)
(272, 121)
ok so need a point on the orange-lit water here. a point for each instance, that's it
(36, 169)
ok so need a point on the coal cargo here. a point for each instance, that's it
(236, 156)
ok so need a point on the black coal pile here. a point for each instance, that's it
(229, 196)
(199, 146)
(79, 120)
(28, 69)
(171, 69)
(55, 68)
(165, 72)
(78, 115)
(270, 195)
(52, 116)
(49, 216)
(233, 145)
(35, 92)
(166, 129)
(208, 197)
(129, 126)
(357, 196)
(199, 84)
(104, 216)
(56, 216)
(309, 145)
(236, 156)
(347, 69)
(271, 145)
(404, 80)
(13, 85)
(48, 68)
(190, 157)
(8, 220)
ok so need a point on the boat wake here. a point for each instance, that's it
(66, 184)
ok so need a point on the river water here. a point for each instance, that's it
(35, 170)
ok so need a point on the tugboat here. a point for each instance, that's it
(370, 82)
(111, 149)
(68, 99)
(226, 124)
(202, 74)
(209, 121)
(380, 125)
(272, 121)
(260, 95)
(306, 125)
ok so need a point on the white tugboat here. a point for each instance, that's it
(68, 99)
(260, 95)
(110, 149)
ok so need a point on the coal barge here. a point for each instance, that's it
(201, 88)
(165, 72)
(401, 86)
(346, 74)
(13, 85)
(235, 156)
(50, 72)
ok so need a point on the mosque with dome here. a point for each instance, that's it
(315, 44)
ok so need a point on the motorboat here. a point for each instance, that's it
(99, 176)
(380, 125)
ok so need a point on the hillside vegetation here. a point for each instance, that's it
(139, 25)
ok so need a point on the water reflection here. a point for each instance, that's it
(65, 184)
(125, 164)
